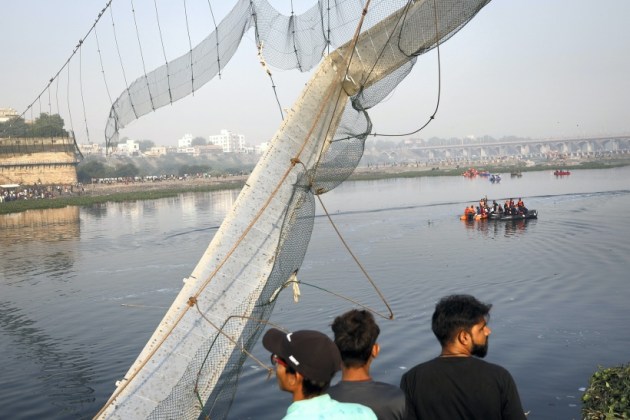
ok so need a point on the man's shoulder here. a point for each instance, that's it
(422, 366)
(324, 407)
(364, 386)
(386, 400)
(438, 364)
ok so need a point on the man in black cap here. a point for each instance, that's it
(305, 363)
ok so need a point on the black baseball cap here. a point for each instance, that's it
(311, 353)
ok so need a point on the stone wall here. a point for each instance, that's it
(30, 161)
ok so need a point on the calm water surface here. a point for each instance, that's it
(81, 290)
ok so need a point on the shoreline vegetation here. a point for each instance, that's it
(94, 194)
(608, 394)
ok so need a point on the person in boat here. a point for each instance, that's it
(458, 384)
(506, 208)
(356, 333)
(470, 212)
(496, 208)
(306, 362)
(521, 207)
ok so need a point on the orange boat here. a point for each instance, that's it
(471, 217)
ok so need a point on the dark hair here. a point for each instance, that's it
(455, 313)
(355, 334)
(312, 388)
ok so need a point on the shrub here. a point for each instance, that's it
(608, 394)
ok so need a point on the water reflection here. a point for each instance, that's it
(496, 228)
(39, 243)
(40, 225)
(98, 210)
(62, 375)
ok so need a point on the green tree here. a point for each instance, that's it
(146, 145)
(15, 127)
(198, 141)
(48, 126)
(91, 169)
(126, 170)
(193, 169)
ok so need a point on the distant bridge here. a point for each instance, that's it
(534, 149)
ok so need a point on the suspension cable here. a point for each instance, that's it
(168, 73)
(192, 69)
(144, 67)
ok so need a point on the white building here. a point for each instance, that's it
(184, 145)
(185, 141)
(7, 113)
(130, 148)
(230, 142)
(208, 149)
(156, 151)
(87, 149)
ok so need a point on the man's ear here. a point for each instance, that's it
(463, 337)
(296, 379)
(376, 349)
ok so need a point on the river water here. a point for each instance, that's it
(81, 290)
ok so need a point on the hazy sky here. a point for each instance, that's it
(531, 68)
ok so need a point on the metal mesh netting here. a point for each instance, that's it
(201, 370)
(263, 240)
(288, 42)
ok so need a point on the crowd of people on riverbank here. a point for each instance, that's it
(456, 384)
(38, 192)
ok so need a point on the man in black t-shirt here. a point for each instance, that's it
(456, 385)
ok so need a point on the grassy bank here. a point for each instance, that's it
(116, 197)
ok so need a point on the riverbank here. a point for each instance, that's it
(131, 191)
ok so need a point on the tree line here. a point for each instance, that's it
(97, 169)
(43, 126)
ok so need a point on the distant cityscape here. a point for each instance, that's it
(224, 142)
(439, 151)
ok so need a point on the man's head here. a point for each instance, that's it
(355, 336)
(462, 317)
(306, 360)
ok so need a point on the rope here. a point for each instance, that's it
(345, 244)
(259, 43)
(68, 102)
(133, 108)
(56, 76)
(292, 26)
(243, 351)
(216, 31)
(192, 69)
(353, 44)
(98, 49)
(87, 130)
(168, 73)
(268, 71)
(144, 67)
(439, 93)
(57, 96)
